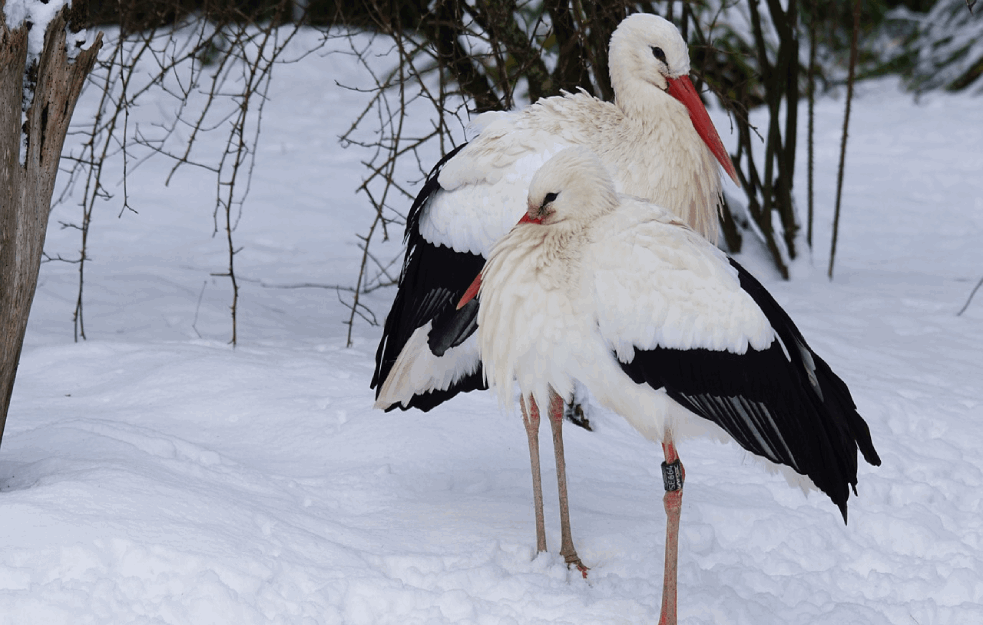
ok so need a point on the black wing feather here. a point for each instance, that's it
(452, 327)
(834, 389)
(432, 281)
(767, 401)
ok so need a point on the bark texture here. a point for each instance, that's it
(26, 189)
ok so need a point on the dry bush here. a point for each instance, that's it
(219, 56)
(460, 58)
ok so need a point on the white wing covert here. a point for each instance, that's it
(484, 187)
(656, 288)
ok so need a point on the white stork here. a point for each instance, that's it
(656, 139)
(662, 328)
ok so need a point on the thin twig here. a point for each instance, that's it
(811, 87)
(846, 125)
(307, 285)
(970, 298)
(194, 322)
(249, 48)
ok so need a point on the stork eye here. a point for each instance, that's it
(549, 198)
(659, 54)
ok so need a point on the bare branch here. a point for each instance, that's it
(970, 298)
(217, 70)
(846, 125)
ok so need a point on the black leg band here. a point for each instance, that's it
(672, 475)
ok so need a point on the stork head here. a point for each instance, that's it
(647, 51)
(569, 191)
(649, 48)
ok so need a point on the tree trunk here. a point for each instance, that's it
(26, 187)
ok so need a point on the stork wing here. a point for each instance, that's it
(775, 397)
(484, 188)
(656, 283)
(471, 199)
(432, 280)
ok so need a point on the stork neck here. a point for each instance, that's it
(682, 173)
(557, 254)
(650, 106)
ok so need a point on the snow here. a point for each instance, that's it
(944, 44)
(36, 15)
(154, 474)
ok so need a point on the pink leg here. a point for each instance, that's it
(530, 419)
(567, 550)
(674, 475)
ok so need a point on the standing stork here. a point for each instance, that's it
(613, 292)
(656, 139)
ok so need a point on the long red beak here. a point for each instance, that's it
(683, 90)
(472, 291)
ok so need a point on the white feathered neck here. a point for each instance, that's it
(526, 292)
(531, 282)
(645, 140)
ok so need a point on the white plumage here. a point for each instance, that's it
(654, 145)
(616, 293)
(655, 141)
(567, 302)
(646, 140)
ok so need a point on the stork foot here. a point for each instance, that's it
(573, 560)
(574, 413)
(567, 550)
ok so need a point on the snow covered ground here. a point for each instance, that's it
(154, 474)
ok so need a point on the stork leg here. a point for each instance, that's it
(530, 419)
(567, 550)
(673, 475)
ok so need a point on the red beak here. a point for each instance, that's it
(526, 219)
(472, 291)
(682, 89)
